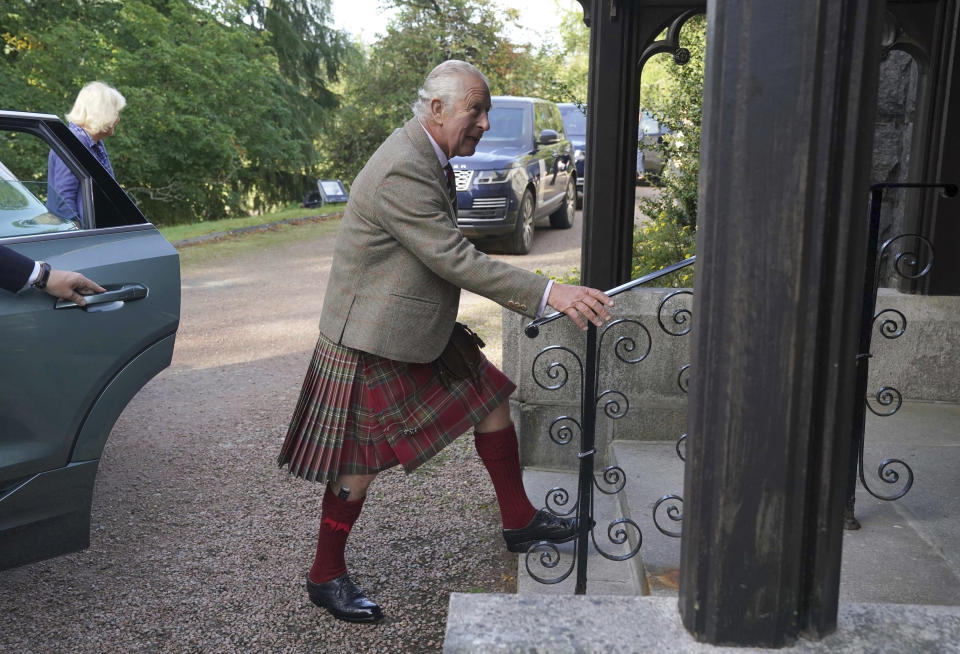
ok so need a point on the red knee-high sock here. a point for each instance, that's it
(337, 518)
(500, 454)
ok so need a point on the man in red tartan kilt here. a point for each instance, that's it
(393, 379)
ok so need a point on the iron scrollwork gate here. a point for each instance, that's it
(631, 342)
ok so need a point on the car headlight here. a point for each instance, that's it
(579, 155)
(493, 176)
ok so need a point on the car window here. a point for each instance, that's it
(554, 119)
(31, 202)
(543, 117)
(508, 127)
(26, 205)
(574, 122)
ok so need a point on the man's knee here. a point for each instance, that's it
(351, 487)
(496, 420)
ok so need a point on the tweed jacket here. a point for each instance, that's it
(400, 260)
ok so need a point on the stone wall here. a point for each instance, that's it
(922, 364)
(893, 141)
(654, 407)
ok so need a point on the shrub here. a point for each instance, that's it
(669, 235)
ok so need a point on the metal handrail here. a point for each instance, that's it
(532, 330)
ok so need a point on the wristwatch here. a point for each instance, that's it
(41, 281)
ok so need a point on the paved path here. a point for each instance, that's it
(199, 543)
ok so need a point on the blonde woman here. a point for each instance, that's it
(95, 114)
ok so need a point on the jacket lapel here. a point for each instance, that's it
(418, 137)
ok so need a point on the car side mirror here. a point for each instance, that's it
(548, 137)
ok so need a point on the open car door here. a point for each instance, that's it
(67, 372)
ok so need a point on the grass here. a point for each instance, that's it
(279, 237)
(175, 233)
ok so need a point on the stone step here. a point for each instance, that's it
(653, 470)
(508, 624)
(604, 576)
(907, 551)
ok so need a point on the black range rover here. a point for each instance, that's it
(521, 173)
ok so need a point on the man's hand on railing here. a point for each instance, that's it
(580, 303)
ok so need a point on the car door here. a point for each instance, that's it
(554, 157)
(546, 157)
(563, 150)
(69, 372)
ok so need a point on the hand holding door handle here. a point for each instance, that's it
(125, 293)
(65, 284)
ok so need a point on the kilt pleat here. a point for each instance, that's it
(314, 439)
(359, 413)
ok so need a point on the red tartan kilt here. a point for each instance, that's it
(359, 413)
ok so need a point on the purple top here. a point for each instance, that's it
(63, 187)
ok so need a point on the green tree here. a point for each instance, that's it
(564, 58)
(675, 98)
(381, 81)
(308, 52)
(213, 126)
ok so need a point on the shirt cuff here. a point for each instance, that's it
(543, 301)
(36, 274)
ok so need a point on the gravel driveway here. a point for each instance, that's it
(199, 543)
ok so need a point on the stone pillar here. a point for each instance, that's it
(784, 178)
(893, 144)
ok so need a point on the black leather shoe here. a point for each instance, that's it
(544, 526)
(343, 600)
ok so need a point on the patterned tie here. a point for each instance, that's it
(451, 185)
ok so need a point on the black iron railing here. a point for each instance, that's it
(631, 343)
(909, 256)
(674, 318)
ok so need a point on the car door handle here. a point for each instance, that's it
(125, 293)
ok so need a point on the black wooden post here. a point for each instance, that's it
(613, 106)
(621, 31)
(941, 216)
(789, 103)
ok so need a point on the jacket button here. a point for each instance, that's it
(523, 307)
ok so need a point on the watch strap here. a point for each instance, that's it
(41, 281)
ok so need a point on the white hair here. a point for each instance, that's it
(97, 107)
(446, 83)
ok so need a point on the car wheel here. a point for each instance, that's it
(562, 218)
(521, 240)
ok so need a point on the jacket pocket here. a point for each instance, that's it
(411, 300)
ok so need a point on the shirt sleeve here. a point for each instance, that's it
(543, 300)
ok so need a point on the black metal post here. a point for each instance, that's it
(863, 355)
(588, 415)
(871, 282)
